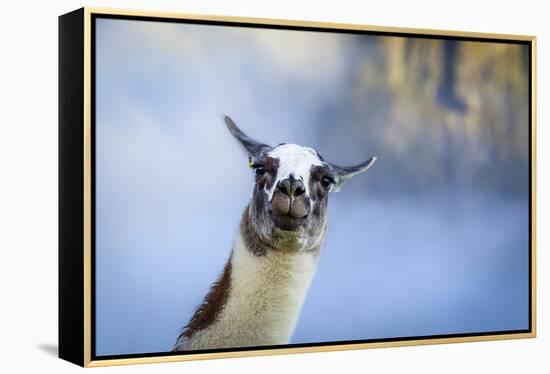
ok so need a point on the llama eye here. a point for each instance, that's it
(326, 182)
(258, 168)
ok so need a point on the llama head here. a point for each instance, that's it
(288, 209)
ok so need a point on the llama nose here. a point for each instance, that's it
(291, 187)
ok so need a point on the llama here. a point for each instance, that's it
(257, 299)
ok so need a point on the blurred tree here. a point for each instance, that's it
(439, 113)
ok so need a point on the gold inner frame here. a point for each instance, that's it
(88, 362)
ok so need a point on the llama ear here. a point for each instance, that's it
(345, 173)
(255, 150)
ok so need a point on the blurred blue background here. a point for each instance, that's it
(433, 239)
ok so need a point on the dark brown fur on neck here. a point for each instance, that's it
(211, 306)
(215, 300)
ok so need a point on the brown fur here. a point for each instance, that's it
(212, 304)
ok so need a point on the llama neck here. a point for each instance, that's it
(262, 301)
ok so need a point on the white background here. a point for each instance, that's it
(28, 184)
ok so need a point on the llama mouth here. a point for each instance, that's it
(287, 222)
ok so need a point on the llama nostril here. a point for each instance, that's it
(291, 187)
(285, 187)
(299, 191)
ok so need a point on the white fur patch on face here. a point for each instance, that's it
(294, 160)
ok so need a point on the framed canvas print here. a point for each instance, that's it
(235, 186)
